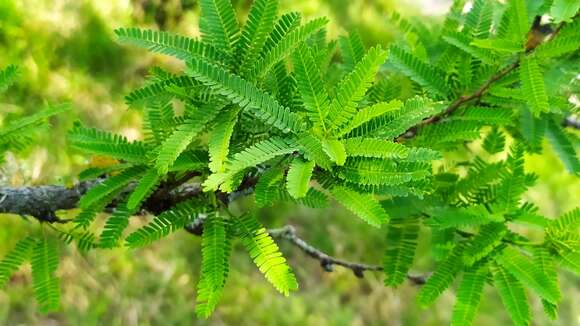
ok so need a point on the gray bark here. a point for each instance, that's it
(42, 201)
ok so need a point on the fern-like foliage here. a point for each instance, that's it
(563, 147)
(275, 108)
(469, 295)
(103, 143)
(15, 258)
(402, 239)
(143, 189)
(266, 254)
(354, 86)
(351, 49)
(513, 296)
(259, 153)
(298, 178)
(285, 46)
(46, 285)
(183, 135)
(529, 274)
(114, 227)
(422, 73)
(363, 205)
(178, 46)
(165, 223)
(214, 266)
(442, 278)
(219, 141)
(8, 76)
(533, 84)
(243, 93)
(101, 193)
(311, 86)
(256, 30)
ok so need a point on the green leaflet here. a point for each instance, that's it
(402, 237)
(442, 278)
(488, 237)
(218, 24)
(479, 19)
(46, 285)
(285, 46)
(23, 125)
(463, 43)
(245, 94)
(298, 178)
(85, 240)
(268, 187)
(498, 45)
(380, 172)
(543, 260)
(311, 87)
(527, 273)
(160, 91)
(422, 73)
(469, 295)
(563, 10)
(519, 24)
(486, 115)
(351, 50)
(444, 218)
(219, 139)
(285, 24)
(250, 157)
(561, 45)
(165, 223)
(255, 32)
(568, 222)
(563, 147)
(313, 149)
(413, 111)
(363, 205)
(115, 226)
(379, 148)
(181, 47)
(335, 150)
(145, 187)
(190, 160)
(101, 192)
(7, 77)
(513, 296)
(183, 135)
(494, 142)
(15, 258)
(215, 252)
(367, 114)
(266, 254)
(533, 85)
(100, 142)
(532, 128)
(353, 87)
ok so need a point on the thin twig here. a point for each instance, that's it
(327, 262)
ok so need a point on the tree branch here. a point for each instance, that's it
(412, 132)
(327, 262)
(42, 202)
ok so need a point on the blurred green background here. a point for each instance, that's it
(66, 53)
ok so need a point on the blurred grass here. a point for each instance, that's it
(66, 53)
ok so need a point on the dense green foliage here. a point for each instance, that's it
(267, 100)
